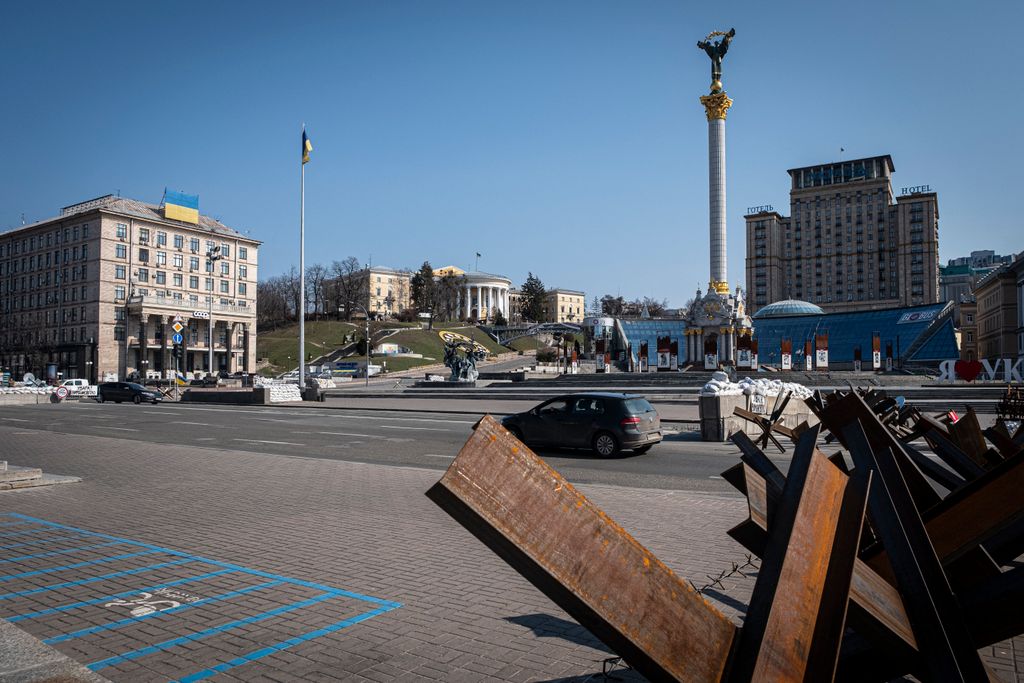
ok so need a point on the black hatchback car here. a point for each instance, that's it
(127, 391)
(605, 422)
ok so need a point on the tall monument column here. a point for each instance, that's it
(716, 104)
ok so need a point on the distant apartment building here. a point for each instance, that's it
(996, 318)
(94, 292)
(380, 291)
(847, 244)
(959, 276)
(564, 306)
(968, 328)
(1017, 267)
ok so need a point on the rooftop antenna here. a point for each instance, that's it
(118, 190)
(23, 219)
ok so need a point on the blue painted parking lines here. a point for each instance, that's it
(11, 534)
(89, 626)
(167, 644)
(283, 645)
(45, 541)
(86, 603)
(112, 575)
(53, 553)
(76, 565)
(173, 610)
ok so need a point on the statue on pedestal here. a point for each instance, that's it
(716, 51)
(463, 366)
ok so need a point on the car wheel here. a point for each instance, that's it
(136, 399)
(99, 398)
(117, 400)
(643, 449)
(516, 432)
(155, 401)
(605, 444)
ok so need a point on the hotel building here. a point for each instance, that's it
(94, 293)
(847, 244)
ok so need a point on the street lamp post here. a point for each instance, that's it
(212, 257)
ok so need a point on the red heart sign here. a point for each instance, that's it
(967, 369)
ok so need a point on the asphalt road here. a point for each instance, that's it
(399, 438)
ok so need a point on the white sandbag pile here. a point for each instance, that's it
(25, 390)
(721, 386)
(284, 393)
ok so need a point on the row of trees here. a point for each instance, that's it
(618, 306)
(340, 288)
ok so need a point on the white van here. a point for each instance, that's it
(79, 387)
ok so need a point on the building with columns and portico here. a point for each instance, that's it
(94, 292)
(481, 295)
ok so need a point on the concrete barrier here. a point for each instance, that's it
(717, 422)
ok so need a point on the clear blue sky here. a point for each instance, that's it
(559, 137)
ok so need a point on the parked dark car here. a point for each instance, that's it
(605, 422)
(208, 381)
(127, 391)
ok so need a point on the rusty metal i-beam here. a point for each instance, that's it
(551, 534)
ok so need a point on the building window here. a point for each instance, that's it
(161, 239)
(225, 250)
(193, 281)
(118, 334)
(144, 255)
(121, 251)
(241, 289)
(243, 253)
(193, 245)
(209, 284)
(178, 279)
(225, 269)
(161, 277)
(144, 235)
(119, 293)
(179, 241)
(243, 272)
(178, 260)
(193, 263)
(119, 272)
(224, 287)
(122, 232)
(143, 274)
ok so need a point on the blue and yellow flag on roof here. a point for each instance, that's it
(307, 147)
(179, 206)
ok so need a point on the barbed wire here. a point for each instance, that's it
(735, 569)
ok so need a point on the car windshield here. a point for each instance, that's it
(137, 387)
(638, 405)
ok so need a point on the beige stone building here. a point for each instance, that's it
(94, 292)
(383, 291)
(996, 317)
(564, 306)
(847, 244)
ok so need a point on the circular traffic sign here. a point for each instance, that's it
(177, 338)
(62, 392)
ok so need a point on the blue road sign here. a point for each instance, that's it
(177, 338)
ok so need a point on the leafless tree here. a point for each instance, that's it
(347, 285)
(316, 275)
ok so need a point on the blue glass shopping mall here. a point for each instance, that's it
(913, 335)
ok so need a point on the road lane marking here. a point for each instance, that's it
(205, 438)
(14, 419)
(365, 436)
(438, 455)
(122, 429)
(198, 424)
(405, 419)
(276, 443)
(425, 429)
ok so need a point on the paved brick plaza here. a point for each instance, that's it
(347, 566)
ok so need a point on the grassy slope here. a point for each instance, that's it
(429, 343)
(281, 345)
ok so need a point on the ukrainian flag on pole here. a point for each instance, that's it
(307, 147)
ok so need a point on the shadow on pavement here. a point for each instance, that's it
(549, 626)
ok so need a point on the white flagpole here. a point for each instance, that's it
(302, 269)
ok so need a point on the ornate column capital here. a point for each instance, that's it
(716, 105)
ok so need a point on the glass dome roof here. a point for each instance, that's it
(788, 307)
